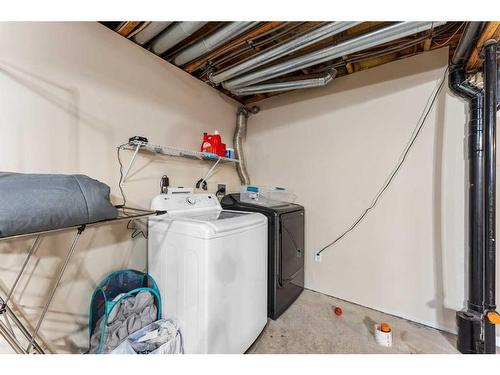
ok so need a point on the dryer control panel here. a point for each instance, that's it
(183, 202)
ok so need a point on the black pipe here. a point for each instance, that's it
(490, 113)
(469, 322)
(498, 77)
(474, 96)
(467, 43)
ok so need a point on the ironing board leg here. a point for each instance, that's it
(8, 325)
(56, 284)
(14, 344)
(31, 251)
(8, 312)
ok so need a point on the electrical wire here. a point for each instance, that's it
(252, 43)
(416, 131)
(203, 181)
(249, 45)
(136, 232)
(451, 37)
(374, 52)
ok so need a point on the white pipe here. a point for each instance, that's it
(214, 40)
(173, 35)
(149, 32)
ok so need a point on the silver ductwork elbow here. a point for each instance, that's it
(288, 85)
(239, 135)
(349, 46)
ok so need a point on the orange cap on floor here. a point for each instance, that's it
(384, 327)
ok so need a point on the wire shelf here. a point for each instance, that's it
(177, 152)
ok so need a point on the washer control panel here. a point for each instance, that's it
(182, 202)
(191, 200)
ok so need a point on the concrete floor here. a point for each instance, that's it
(310, 326)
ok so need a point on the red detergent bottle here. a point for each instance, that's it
(212, 143)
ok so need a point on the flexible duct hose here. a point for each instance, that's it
(239, 135)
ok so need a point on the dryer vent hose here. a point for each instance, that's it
(239, 136)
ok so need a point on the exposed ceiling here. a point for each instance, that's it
(246, 39)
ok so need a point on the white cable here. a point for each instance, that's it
(416, 131)
(204, 179)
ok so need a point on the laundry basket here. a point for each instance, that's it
(111, 291)
(139, 342)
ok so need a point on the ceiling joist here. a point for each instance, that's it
(126, 28)
(266, 35)
(268, 26)
(491, 31)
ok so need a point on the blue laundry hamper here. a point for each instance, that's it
(125, 282)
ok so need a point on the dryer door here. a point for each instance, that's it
(292, 245)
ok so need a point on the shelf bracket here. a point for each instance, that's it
(31, 251)
(130, 164)
(204, 179)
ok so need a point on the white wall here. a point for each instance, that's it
(335, 146)
(69, 94)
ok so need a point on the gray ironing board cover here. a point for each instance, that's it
(37, 202)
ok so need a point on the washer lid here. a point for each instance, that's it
(233, 202)
(209, 223)
(211, 215)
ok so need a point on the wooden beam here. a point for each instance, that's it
(362, 27)
(282, 34)
(328, 41)
(251, 34)
(427, 44)
(491, 31)
(376, 61)
(254, 98)
(127, 28)
(138, 29)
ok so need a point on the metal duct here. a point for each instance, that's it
(372, 39)
(467, 43)
(239, 135)
(214, 40)
(286, 86)
(173, 35)
(149, 32)
(311, 37)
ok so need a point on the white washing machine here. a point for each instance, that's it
(211, 267)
